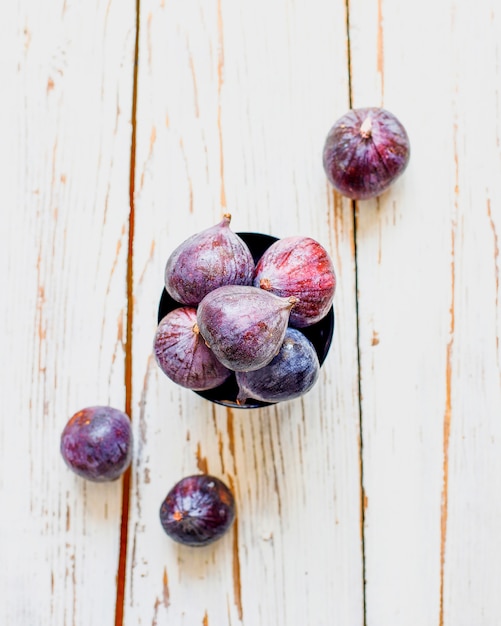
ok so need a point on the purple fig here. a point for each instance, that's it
(300, 267)
(244, 326)
(96, 443)
(290, 374)
(182, 354)
(365, 152)
(212, 258)
(198, 510)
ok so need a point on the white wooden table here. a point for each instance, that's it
(375, 500)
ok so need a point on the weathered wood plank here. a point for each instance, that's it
(65, 127)
(235, 100)
(428, 277)
(234, 103)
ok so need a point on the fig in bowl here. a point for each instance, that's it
(290, 374)
(183, 355)
(244, 326)
(318, 333)
(209, 259)
(298, 267)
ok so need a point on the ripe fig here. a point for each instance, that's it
(209, 259)
(244, 326)
(96, 443)
(198, 510)
(290, 374)
(300, 267)
(365, 151)
(182, 354)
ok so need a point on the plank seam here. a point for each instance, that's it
(357, 316)
(126, 485)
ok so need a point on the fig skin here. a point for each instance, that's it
(198, 510)
(182, 355)
(289, 375)
(365, 152)
(244, 326)
(96, 443)
(301, 267)
(209, 259)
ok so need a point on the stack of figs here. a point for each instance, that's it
(237, 317)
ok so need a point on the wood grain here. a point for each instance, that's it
(65, 169)
(430, 375)
(372, 501)
(232, 114)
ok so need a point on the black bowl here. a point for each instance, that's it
(320, 334)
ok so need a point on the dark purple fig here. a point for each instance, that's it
(182, 354)
(214, 257)
(198, 510)
(244, 326)
(291, 374)
(365, 152)
(96, 443)
(300, 267)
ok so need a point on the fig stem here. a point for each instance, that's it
(227, 217)
(195, 329)
(366, 128)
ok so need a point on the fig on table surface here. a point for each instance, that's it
(289, 375)
(244, 326)
(96, 443)
(209, 259)
(183, 356)
(365, 151)
(301, 267)
(198, 510)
